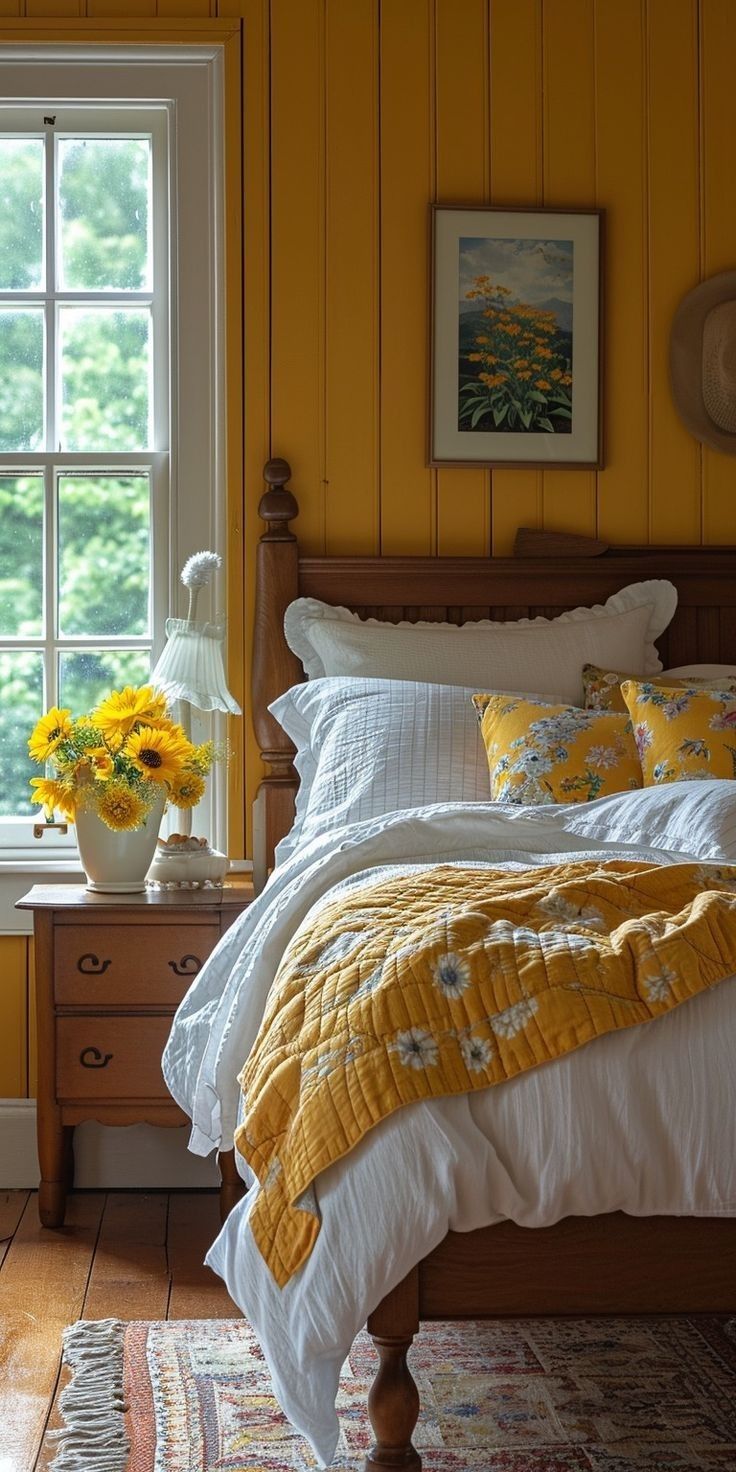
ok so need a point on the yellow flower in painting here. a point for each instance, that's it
(158, 754)
(124, 709)
(186, 790)
(493, 380)
(51, 730)
(544, 352)
(474, 358)
(55, 796)
(525, 374)
(556, 373)
(521, 363)
(120, 807)
(566, 379)
(541, 383)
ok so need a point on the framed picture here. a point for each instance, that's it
(516, 337)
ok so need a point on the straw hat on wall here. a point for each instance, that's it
(703, 362)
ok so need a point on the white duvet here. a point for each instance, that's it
(641, 1121)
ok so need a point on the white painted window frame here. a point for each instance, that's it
(184, 86)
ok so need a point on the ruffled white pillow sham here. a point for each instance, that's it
(541, 655)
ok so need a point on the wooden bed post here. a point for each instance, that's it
(393, 1400)
(275, 668)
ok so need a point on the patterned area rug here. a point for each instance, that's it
(534, 1395)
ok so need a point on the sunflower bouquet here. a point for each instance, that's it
(117, 759)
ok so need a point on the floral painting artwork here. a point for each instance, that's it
(515, 335)
(516, 311)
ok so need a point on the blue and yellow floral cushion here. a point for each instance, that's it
(682, 735)
(541, 753)
(602, 688)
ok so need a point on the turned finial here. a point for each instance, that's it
(278, 504)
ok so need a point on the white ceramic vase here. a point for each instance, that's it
(117, 863)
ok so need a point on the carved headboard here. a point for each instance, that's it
(455, 589)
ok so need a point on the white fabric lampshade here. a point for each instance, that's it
(191, 667)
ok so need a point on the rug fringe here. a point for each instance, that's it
(93, 1437)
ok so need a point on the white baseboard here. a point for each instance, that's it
(106, 1157)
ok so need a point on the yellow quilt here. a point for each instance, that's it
(445, 979)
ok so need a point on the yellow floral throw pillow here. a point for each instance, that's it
(602, 688)
(682, 734)
(541, 753)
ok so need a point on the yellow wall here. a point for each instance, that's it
(357, 114)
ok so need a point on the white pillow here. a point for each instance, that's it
(693, 818)
(544, 655)
(368, 747)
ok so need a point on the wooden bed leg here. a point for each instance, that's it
(393, 1400)
(232, 1185)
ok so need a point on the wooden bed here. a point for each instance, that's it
(585, 1265)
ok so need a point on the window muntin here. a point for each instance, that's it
(84, 415)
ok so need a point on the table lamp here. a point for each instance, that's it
(190, 671)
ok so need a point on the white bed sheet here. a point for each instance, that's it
(641, 1121)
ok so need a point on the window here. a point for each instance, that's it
(110, 354)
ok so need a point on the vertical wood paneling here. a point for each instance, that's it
(516, 178)
(718, 180)
(298, 254)
(256, 325)
(13, 1009)
(620, 71)
(407, 186)
(352, 304)
(673, 256)
(197, 8)
(234, 469)
(569, 179)
(462, 153)
(125, 9)
(53, 9)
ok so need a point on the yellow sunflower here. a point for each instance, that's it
(186, 790)
(159, 754)
(102, 762)
(123, 709)
(120, 807)
(49, 733)
(55, 796)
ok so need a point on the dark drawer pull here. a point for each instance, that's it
(96, 1058)
(96, 968)
(188, 966)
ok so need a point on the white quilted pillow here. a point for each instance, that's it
(368, 747)
(543, 655)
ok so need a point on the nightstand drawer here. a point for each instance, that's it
(128, 965)
(110, 1057)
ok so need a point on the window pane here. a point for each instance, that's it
(87, 675)
(105, 363)
(21, 382)
(104, 554)
(105, 209)
(21, 705)
(21, 213)
(21, 555)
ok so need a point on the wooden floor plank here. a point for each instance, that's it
(42, 1289)
(196, 1293)
(12, 1206)
(129, 1277)
(130, 1272)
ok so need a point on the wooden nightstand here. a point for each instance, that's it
(110, 972)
